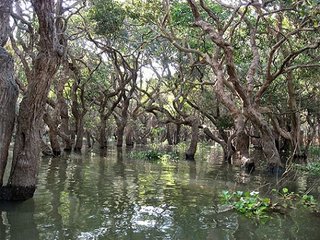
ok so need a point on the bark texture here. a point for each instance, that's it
(64, 128)
(194, 139)
(8, 89)
(242, 142)
(26, 155)
(103, 142)
(51, 121)
(5, 8)
(130, 135)
(8, 99)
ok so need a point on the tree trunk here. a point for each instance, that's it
(177, 134)
(102, 132)
(8, 88)
(78, 109)
(53, 134)
(64, 126)
(119, 134)
(54, 142)
(242, 144)
(27, 141)
(268, 142)
(169, 134)
(5, 9)
(80, 134)
(45, 149)
(194, 139)
(221, 142)
(90, 139)
(26, 154)
(129, 135)
(294, 117)
(8, 99)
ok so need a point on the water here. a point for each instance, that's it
(113, 197)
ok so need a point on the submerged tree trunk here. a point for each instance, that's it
(297, 144)
(53, 133)
(242, 141)
(119, 134)
(45, 149)
(78, 111)
(194, 139)
(177, 134)
(79, 133)
(169, 134)
(102, 132)
(8, 89)
(122, 119)
(268, 142)
(65, 130)
(90, 139)
(26, 154)
(221, 142)
(64, 115)
(129, 135)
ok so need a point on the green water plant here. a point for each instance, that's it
(251, 204)
(286, 199)
(153, 155)
(255, 206)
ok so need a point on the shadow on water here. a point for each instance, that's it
(106, 195)
(17, 220)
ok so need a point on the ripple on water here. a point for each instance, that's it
(94, 197)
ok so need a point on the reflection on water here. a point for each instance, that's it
(109, 196)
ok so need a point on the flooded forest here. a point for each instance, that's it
(160, 119)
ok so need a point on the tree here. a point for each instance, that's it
(8, 88)
(241, 72)
(26, 154)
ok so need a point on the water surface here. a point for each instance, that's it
(114, 197)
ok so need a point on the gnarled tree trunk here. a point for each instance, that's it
(169, 136)
(130, 135)
(53, 133)
(268, 142)
(194, 139)
(294, 118)
(242, 141)
(102, 132)
(90, 139)
(176, 139)
(65, 132)
(79, 133)
(8, 89)
(26, 154)
(65, 128)
(120, 133)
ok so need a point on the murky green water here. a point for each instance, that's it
(113, 197)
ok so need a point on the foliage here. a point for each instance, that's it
(313, 168)
(157, 131)
(253, 205)
(182, 146)
(284, 199)
(154, 155)
(314, 150)
(225, 122)
(109, 16)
